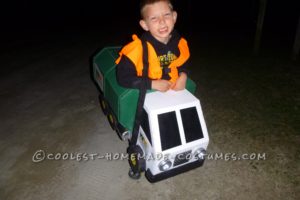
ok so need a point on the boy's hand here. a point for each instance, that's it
(161, 85)
(180, 82)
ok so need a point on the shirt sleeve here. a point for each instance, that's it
(126, 75)
(184, 68)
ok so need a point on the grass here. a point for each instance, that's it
(252, 105)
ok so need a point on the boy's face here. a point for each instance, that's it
(159, 19)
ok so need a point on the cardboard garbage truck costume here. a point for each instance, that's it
(171, 136)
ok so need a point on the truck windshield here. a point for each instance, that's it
(169, 131)
(191, 124)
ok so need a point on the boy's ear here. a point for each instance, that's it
(174, 16)
(144, 25)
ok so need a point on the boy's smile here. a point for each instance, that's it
(159, 19)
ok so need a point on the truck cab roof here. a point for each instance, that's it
(160, 101)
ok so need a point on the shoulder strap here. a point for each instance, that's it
(142, 95)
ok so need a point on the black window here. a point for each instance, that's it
(169, 131)
(191, 124)
(145, 125)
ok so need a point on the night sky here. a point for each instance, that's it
(211, 19)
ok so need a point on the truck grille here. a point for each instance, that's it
(182, 158)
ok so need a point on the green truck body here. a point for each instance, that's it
(122, 102)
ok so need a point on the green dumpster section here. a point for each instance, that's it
(122, 101)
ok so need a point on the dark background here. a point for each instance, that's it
(215, 24)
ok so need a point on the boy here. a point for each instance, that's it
(167, 51)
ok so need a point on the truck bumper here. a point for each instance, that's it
(173, 172)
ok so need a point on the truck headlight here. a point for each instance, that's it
(200, 154)
(165, 165)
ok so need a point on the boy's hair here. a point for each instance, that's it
(143, 3)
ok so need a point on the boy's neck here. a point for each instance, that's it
(165, 40)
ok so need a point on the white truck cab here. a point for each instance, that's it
(173, 134)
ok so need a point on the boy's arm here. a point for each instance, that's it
(126, 77)
(184, 68)
(182, 77)
(180, 82)
(126, 74)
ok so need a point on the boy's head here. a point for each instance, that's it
(158, 17)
